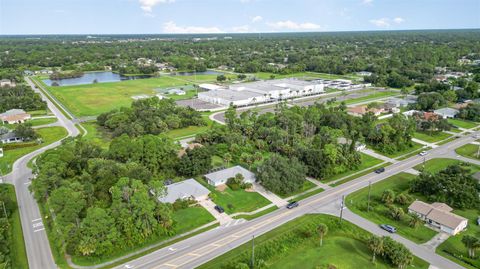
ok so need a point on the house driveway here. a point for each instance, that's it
(209, 205)
(436, 241)
(272, 197)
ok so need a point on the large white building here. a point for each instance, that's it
(250, 93)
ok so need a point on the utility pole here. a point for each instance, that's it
(253, 251)
(341, 209)
(478, 151)
(4, 210)
(424, 163)
(369, 192)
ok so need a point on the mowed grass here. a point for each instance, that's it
(96, 134)
(48, 134)
(185, 220)
(344, 246)
(469, 151)
(18, 252)
(307, 185)
(367, 161)
(239, 200)
(431, 137)
(358, 201)
(438, 164)
(454, 249)
(462, 123)
(94, 99)
(44, 121)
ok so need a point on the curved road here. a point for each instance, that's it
(36, 242)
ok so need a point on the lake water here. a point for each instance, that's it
(88, 78)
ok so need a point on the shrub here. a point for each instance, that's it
(403, 199)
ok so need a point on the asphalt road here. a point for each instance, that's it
(199, 249)
(36, 242)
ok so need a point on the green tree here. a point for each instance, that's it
(281, 175)
(471, 243)
(322, 230)
(375, 244)
(415, 221)
(388, 196)
(98, 233)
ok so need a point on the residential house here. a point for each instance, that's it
(10, 137)
(1, 152)
(438, 215)
(7, 83)
(362, 110)
(187, 189)
(447, 113)
(14, 116)
(220, 177)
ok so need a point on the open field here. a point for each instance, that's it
(39, 122)
(48, 134)
(344, 247)
(462, 123)
(358, 201)
(16, 245)
(367, 161)
(437, 164)
(431, 138)
(239, 200)
(96, 134)
(469, 151)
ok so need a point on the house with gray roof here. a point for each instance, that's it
(438, 215)
(187, 189)
(10, 137)
(447, 113)
(220, 177)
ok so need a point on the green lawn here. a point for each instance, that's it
(38, 122)
(266, 75)
(366, 172)
(96, 134)
(18, 253)
(184, 220)
(48, 134)
(35, 113)
(431, 138)
(463, 123)
(414, 147)
(367, 161)
(256, 215)
(454, 249)
(344, 247)
(357, 202)
(306, 195)
(239, 200)
(468, 150)
(437, 164)
(307, 185)
(373, 96)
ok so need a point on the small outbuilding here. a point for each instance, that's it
(187, 189)
(220, 177)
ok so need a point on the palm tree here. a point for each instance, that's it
(471, 243)
(227, 158)
(415, 221)
(322, 230)
(375, 244)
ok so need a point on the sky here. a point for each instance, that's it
(232, 16)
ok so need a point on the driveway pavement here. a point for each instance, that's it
(272, 197)
(209, 205)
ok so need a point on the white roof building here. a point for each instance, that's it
(439, 216)
(210, 87)
(186, 189)
(220, 177)
(447, 112)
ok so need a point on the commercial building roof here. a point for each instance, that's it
(210, 87)
(183, 190)
(231, 95)
(220, 176)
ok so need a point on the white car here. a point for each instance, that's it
(423, 153)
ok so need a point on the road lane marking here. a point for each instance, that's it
(38, 230)
(39, 224)
(36, 219)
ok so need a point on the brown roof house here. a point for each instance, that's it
(13, 116)
(438, 215)
(362, 110)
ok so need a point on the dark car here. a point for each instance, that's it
(219, 209)
(292, 205)
(380, 170)
(388, 228)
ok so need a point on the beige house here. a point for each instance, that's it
(439, 215)
(14, 116)
(7, 83)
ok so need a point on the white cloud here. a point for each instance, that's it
(398, 20)
(241, 29)
(257, 18)
(147, 5)
(172, 28)
(290, 25)
(383, 22)
(367, 2)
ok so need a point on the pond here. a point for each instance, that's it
(100, 77)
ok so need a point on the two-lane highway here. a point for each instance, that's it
(36, 242)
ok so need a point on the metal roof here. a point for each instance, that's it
(183, 190)
(220, 176)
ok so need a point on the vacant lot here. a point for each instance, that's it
(239, 200)
(462, 123)
(469, 151)
(431, 137)
(344, 247)
(367, 162)
(437, 164)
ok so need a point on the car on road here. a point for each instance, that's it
(423, 153)
(219, 209)
(380, 170)
(292, 205)
(388, 228)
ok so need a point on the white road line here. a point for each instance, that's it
(36, 219)
(39, 230)
(27, 183)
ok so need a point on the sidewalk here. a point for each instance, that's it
(432, 145)
(378, 156)
(272, 197)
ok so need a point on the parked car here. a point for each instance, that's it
(388, 228)
(292, 205)
(423, 153)
(219, 209)
(380, 170)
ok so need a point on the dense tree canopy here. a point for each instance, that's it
(22, 97)
(281, 175)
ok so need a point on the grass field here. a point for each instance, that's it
(463, 123)
(266, 75)
(344, 247)
(306, 195)
(239, 200)
(256, 215)
(367, 162)
(185, 220)
(366, 172)
(357, 202)
(307, 185)
(407, 150)
(39, 122)
(431, 138)
(469, 151)
(96, 134)
(48, 134)
(437, 164)
(18, 253)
